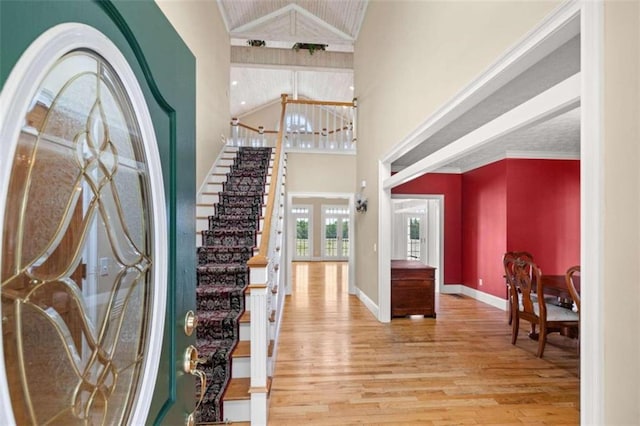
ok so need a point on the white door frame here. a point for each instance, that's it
(350, 197)
(588, 18)
(440, 231)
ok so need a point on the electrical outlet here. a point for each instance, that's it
(480, 282)
(375, 247)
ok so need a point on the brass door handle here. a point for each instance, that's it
(190, 366)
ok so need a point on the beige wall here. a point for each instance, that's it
(431, 50)
(327, 173)
(622, 213)
(201, 27)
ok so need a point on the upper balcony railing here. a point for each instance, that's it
(309, 126)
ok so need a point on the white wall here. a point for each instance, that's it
(201, 27)
(622, 213)
(410, 58)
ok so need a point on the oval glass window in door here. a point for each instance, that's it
(76, 282)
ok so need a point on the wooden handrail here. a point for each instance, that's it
(246, 126)
(261, 260)
(325, 103)
(253, 129)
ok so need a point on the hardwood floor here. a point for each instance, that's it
(337, 365)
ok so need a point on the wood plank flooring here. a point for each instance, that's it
(337, 365)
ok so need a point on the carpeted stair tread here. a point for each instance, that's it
(223, 269)
(213, 255)
(217, 325)
(240, 195)
(229, 237)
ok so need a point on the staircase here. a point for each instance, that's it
(231, 207)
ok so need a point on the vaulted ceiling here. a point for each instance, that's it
(259, 75)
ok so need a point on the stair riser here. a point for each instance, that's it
(202, 224)
(245, 329)
(210, 199)
(241, 367)
(237, 411)
(217, 178)
(213, 187)
(205, 211)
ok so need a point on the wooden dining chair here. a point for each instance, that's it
(572, 272)
(507, 261)
(532, 306)
(570, 278)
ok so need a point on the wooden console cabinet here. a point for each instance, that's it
(412, 288)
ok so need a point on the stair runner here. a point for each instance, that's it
(223, 274)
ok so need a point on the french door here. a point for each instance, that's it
(335, 232)
(302, 219)
(91, 329)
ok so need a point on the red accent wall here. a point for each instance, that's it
(484, 227)
(518, 204)
(543, 213)
(512, 204)
(449, 185)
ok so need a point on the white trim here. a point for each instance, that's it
(384, 250)
(560, 98)
(366, 301)
(440, 199)
(18, 91)
(489, 299)
(320, 151)
(556, 29)
(524, 155)
(592, 255)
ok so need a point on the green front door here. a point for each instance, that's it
(97, 268)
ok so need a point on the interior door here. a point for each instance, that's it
(93, 331)
(302, 221)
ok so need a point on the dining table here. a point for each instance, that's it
(556, 285)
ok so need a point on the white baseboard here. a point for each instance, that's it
(368, 302)
(489, 299)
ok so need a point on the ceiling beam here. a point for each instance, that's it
(558, 99)
(246, 55)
